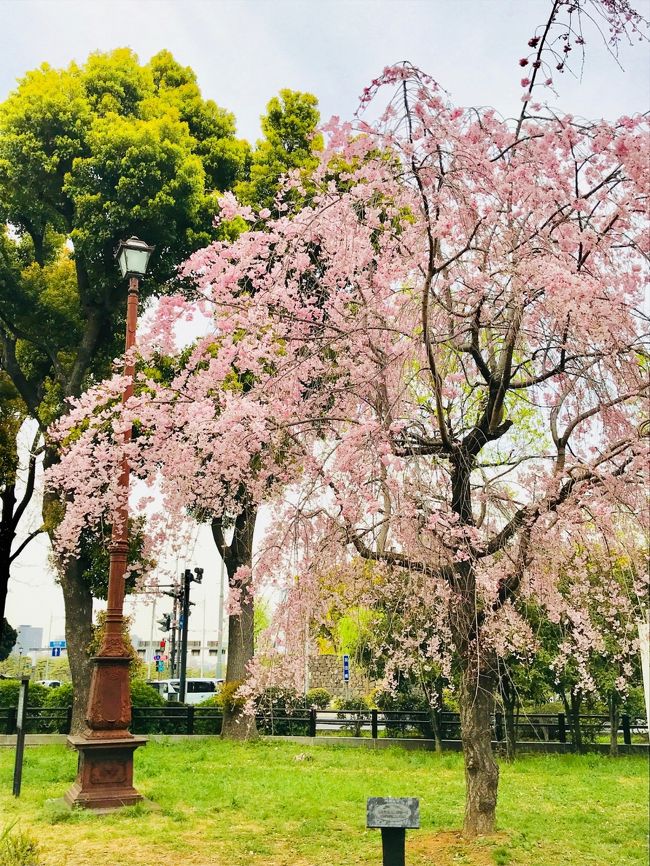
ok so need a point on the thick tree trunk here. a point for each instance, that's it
(78, 603)
(237, 725)
(476, 702)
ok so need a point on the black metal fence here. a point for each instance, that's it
(281, 721)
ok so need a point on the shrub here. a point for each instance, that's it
(143, 695)
(350, 704)
(405, 702)
(361, 709)
(318, 698)
(230, 700)
(216, 700)
(281, 711)
(59, 697)
(208, 715)
(9, 690)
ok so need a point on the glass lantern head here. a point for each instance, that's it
(133, 257)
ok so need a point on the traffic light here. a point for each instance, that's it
(197, 577)
(165, 622)
(162, 644)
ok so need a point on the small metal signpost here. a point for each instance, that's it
(393, 816)
(20, 735)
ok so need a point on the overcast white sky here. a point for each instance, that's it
(244, 51)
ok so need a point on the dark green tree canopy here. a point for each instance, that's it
(8, 638)
(90, 155)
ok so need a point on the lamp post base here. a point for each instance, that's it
(104, 774)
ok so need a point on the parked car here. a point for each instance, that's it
(51, 684)
(197, 689)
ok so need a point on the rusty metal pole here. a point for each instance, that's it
(105, 770)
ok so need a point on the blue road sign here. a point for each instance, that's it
(56, 651)
(156, 658)
(60, 644)
(346, 668)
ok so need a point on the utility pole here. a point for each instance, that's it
(188, 578)
(151, 653)
(172, 666)
(203, 638)
(171, 624)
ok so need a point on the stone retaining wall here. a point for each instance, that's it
(326, 672)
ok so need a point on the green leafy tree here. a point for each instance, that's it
(290, 142)
(7, 639)
(89, 155)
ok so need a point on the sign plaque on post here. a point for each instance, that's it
(393, 816)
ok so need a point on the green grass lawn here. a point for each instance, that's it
(256, 805)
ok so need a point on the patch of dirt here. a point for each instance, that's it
(451, 849)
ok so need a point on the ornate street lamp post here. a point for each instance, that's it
(105, 770)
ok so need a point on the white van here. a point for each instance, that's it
(196, 690)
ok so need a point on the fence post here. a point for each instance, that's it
(312, 722)
(561, 727)
(373, 724)
(190, 719)
(627, 735)
(68, 720)
(498, 727)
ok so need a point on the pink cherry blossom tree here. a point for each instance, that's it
(447, 367)
(462, 362)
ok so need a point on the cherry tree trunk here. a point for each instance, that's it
(476, 700)
(478, 683)
(238, 725)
